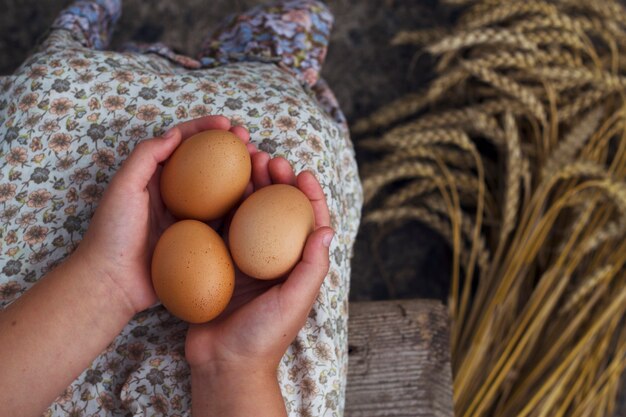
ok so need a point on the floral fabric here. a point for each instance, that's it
(292, 33)
(69, 117)
(295, 33)
(91, 21)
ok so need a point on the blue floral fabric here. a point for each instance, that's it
(91, 21)
(294, 33)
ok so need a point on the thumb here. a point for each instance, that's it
(142, 163)
(300, 290)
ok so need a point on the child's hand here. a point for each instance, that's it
(131, 216)
(244, 345)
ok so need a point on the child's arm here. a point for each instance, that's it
(234, 359)
(52, 333)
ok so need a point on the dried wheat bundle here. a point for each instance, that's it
(538, 290)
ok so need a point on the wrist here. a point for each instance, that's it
(235, 391)
(71, 304)
(211, 372)
(100, 283)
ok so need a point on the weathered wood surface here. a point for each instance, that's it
(399, 362)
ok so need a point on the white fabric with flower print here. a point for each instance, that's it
(68, 118)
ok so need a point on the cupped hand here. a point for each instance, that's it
(264, 317)
(131, 216)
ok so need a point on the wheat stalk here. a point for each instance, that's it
(540, 85)
(373, 184)
(573, 142)
(510, 87)
(434, 221)
(481, 37)
(586, 288)
(418, 37)
(504, 12)
(410, 104)
(581, 102)
(514, 177)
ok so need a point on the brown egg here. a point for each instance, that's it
(268, 231)
(206, 176)
(192, 271)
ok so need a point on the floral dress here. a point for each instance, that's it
(73, 112)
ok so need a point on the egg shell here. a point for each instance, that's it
(269, 230)
(206, 175)
(192, 272)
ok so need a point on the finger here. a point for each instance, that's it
(161, 215)
(154, 189)
(247, 289)
(154, 184)
(308, 184)
(194, 126)
(156, 207)
(260, 173)
(241, 132)
(300, 290)
(142, 163)
(251, 148)
(281, 171)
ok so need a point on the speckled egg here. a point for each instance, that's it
(269, 230)
(192, 271)
(206, 175)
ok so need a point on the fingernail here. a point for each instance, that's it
(328, 237)
(169, 134)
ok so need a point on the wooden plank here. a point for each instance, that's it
(399, 360)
